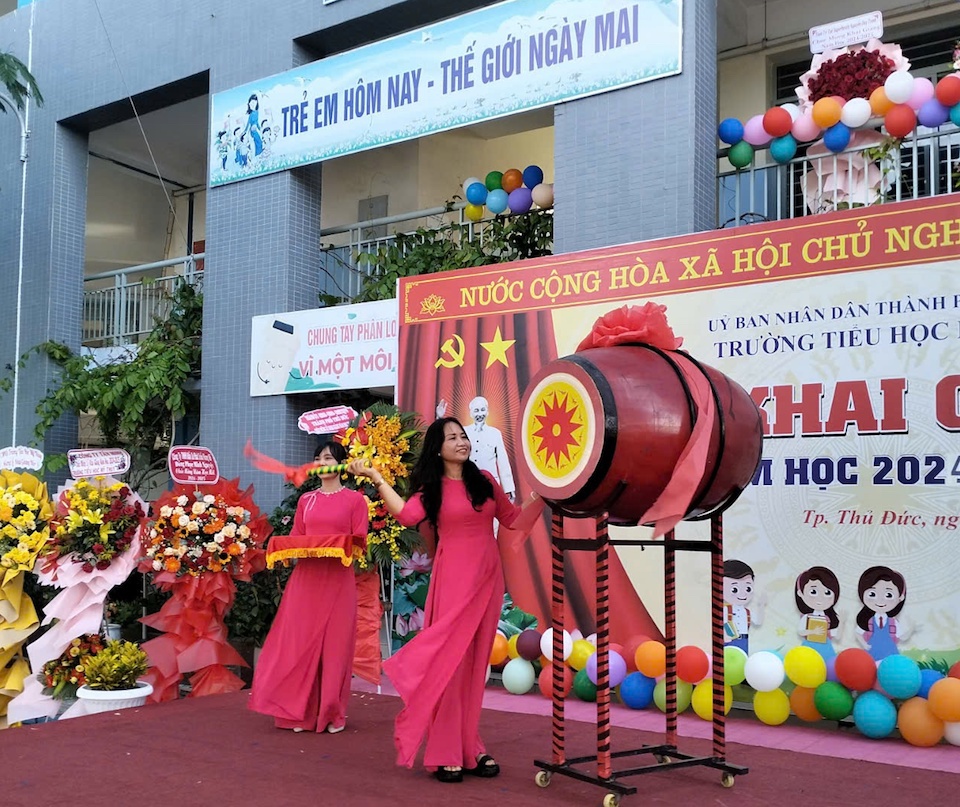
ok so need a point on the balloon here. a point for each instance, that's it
(805, 667)
(832, 669)
(948, 90)
(730, 131)
(955, 120)
(592, 638)
(833, 700)
(921, 93)
(545, 681)
(879, 103)
(702, 700)
(802, 704)
(856, 669)
(918, 724)
(898, 87)
(764, 671)
(473, 212)
(900, 121)
(542, 195)
(836, 138)
(951, 733)
(684, 695)
(532, 176)
(792, 110)
(520, 200)
(580, 652)
(493, 181)
(933, 114)
(944, 700)
(777, 121)
(636, 690)
(518, 676)
(583, 687)
(511, 180)
(512, 646)
(497, 201)
(874, 715)
(772, 707)
(489, 670)
(477, 193)
(954, 671)
(754, 133)
(783, 149)
(804, 129)
(826, 112)
(651, 659)
(630, 651)
(740, 155)
(575, 634)
(899, 676)
(546, 644)
(856, 112)
(734, 665)
(618, 668)
(498, 654)
(470, 181)
(692, 664)
(528, 645)
(927, 679)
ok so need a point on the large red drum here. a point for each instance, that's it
(602, 431)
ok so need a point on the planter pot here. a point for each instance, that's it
(98, 700)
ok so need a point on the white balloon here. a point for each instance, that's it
(489, 670)
(576, 635)
(592, 638)
(856, 112)
(543, 195)
(468, 182)
(518, 676)
(899, 86)
(546, 644)
(951, 733)
(764, 671)
(793, 109)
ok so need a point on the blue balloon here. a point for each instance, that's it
(730, 131)
(899, 676)
(783, 149)
(532, 176)
(636, 690)
(837, 137)
(874, 715)
(476, 193)
(497, 201)
(520, 200)
(927, 679)
(955, 115)
(933, 114)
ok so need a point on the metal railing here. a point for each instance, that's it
(122, 306)
(927, 164)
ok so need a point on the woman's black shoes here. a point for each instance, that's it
(444, 775)
(486, 767)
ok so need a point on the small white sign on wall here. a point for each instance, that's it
(851, 31)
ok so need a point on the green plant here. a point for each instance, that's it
(17, 82)
(116, 667)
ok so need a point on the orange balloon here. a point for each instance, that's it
(826, 112)
(879, 103)
(545, 681)
(512, 179)
(498, 653)
(918, 725)
(630, 651)
(651, 659)
(801, 701)
(944, 699)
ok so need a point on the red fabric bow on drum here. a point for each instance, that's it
(632, 324)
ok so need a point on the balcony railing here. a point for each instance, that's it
(925, 165)
(122, 306)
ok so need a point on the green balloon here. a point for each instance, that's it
(684, 694)
(740, 155)
(583, 687)
(494, 179)
(734, 666)
(833, 700)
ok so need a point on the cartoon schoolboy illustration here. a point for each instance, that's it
(277, 349)
(816, 592)
(738, 593)
(883, 593)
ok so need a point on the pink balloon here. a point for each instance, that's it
(754, 133)
(923, 91)
(804, 129)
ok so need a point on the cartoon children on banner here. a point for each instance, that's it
(816, 592)
(882, 591)
(738, 594)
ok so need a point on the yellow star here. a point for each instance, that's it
(497, 349)
(781, 632)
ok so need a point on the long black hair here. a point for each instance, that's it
(827, 579)
(427, 475)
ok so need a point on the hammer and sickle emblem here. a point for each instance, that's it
(454, 353)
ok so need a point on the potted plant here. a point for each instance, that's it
(111, 677)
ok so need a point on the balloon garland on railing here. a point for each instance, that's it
(513, 190)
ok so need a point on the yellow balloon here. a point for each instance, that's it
(773, 707)
(582, 650)
(702, 699)
(512, 646)
(473, 212)
(805, 667)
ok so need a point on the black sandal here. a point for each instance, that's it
(443, 775)
(486, 768)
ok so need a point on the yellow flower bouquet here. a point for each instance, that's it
(25, 513)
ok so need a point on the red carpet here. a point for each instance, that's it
(213, 751)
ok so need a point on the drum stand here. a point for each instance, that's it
(667, 756)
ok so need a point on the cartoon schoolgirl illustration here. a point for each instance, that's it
(241, 148)
(817, 592)
(223, 148)
(883, 593)
(738, 593)
(253, 124)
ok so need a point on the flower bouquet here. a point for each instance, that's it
(62, 676)
(850, 72)
(197, 544)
